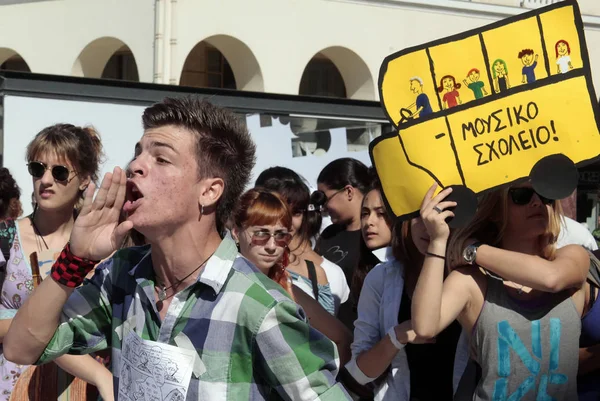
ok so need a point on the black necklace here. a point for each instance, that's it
(162, 293)
(37, 231)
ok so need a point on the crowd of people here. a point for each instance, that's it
(229, 293)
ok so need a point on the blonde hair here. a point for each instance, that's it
(489, 227)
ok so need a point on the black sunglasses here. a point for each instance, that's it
(37, 170)
(522, 196)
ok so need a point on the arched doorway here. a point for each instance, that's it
(222, 61)
(321, 77)
(325, 73)
(106, 58)
(334, 72)
(206, 67)
(12, 61)
(122, 66)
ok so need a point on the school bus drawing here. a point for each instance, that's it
(481, 108)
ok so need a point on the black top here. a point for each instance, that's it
(348, 250)
(340, 247)
(431, 365)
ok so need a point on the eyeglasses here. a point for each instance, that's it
(522, 196)
(38, 169)
(328, 198)
(261, 237)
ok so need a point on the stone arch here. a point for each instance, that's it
(106, 57)
(13, 61)
(222, 61)
(324, 66)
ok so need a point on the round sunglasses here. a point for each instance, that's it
(38, 169)
(522, 196)
(261, 237)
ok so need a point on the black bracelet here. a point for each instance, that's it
(435, 255)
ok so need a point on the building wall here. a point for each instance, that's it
(268, 43)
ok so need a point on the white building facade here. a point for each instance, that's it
(313, 47)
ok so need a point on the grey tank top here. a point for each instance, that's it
(527, 350)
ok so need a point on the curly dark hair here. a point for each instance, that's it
(10, 205)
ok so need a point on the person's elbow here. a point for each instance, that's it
(424, 329)
(343, 346)
(15, 350)
(555, 283)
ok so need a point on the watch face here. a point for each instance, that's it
(469, 254)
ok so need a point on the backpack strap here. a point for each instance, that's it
(312, 275)
(7, 237)
(594, 272)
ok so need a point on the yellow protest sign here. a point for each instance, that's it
(482, 108)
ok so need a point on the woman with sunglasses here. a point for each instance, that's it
(318, 277)
(62, 160)
(518, 297)
(344, 182)
(262, 224)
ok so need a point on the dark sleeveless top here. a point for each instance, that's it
(431, 365)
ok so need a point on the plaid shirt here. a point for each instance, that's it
(253, 340)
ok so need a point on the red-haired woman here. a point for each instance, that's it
(451, 96)
(563, 56)
(262, 224)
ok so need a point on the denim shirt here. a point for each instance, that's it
(378, 307)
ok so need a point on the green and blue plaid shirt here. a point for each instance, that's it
(253, 340)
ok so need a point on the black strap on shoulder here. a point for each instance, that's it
(312, 275)
(7, 236)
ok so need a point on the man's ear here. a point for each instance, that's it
(211, 191)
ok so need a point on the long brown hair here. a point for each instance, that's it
(259, 207)
(489, 226)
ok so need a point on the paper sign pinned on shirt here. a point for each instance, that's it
(153, 371)
(482, 109)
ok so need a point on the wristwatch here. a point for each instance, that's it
(470, 253)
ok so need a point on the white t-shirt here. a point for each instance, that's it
(563, 63)
(337, 283)
(572, 232)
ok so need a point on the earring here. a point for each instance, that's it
(202, 210)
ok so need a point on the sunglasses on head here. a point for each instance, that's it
(261, 237)
(38, 169)
(522, 196)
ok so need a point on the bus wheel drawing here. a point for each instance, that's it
(554, 177)
(466, 206)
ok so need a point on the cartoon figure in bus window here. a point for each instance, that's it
(422, 102)
(451, 96)
(475, 84)
(500, 74)
(563, 58)
(526, 56)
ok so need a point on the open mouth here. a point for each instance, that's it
(134, 196)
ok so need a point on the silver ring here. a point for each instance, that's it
(437, 209)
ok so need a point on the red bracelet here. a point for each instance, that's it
(70, 270)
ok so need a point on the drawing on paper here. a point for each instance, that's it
(152, 371)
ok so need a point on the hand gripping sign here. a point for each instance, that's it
(489, 107)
